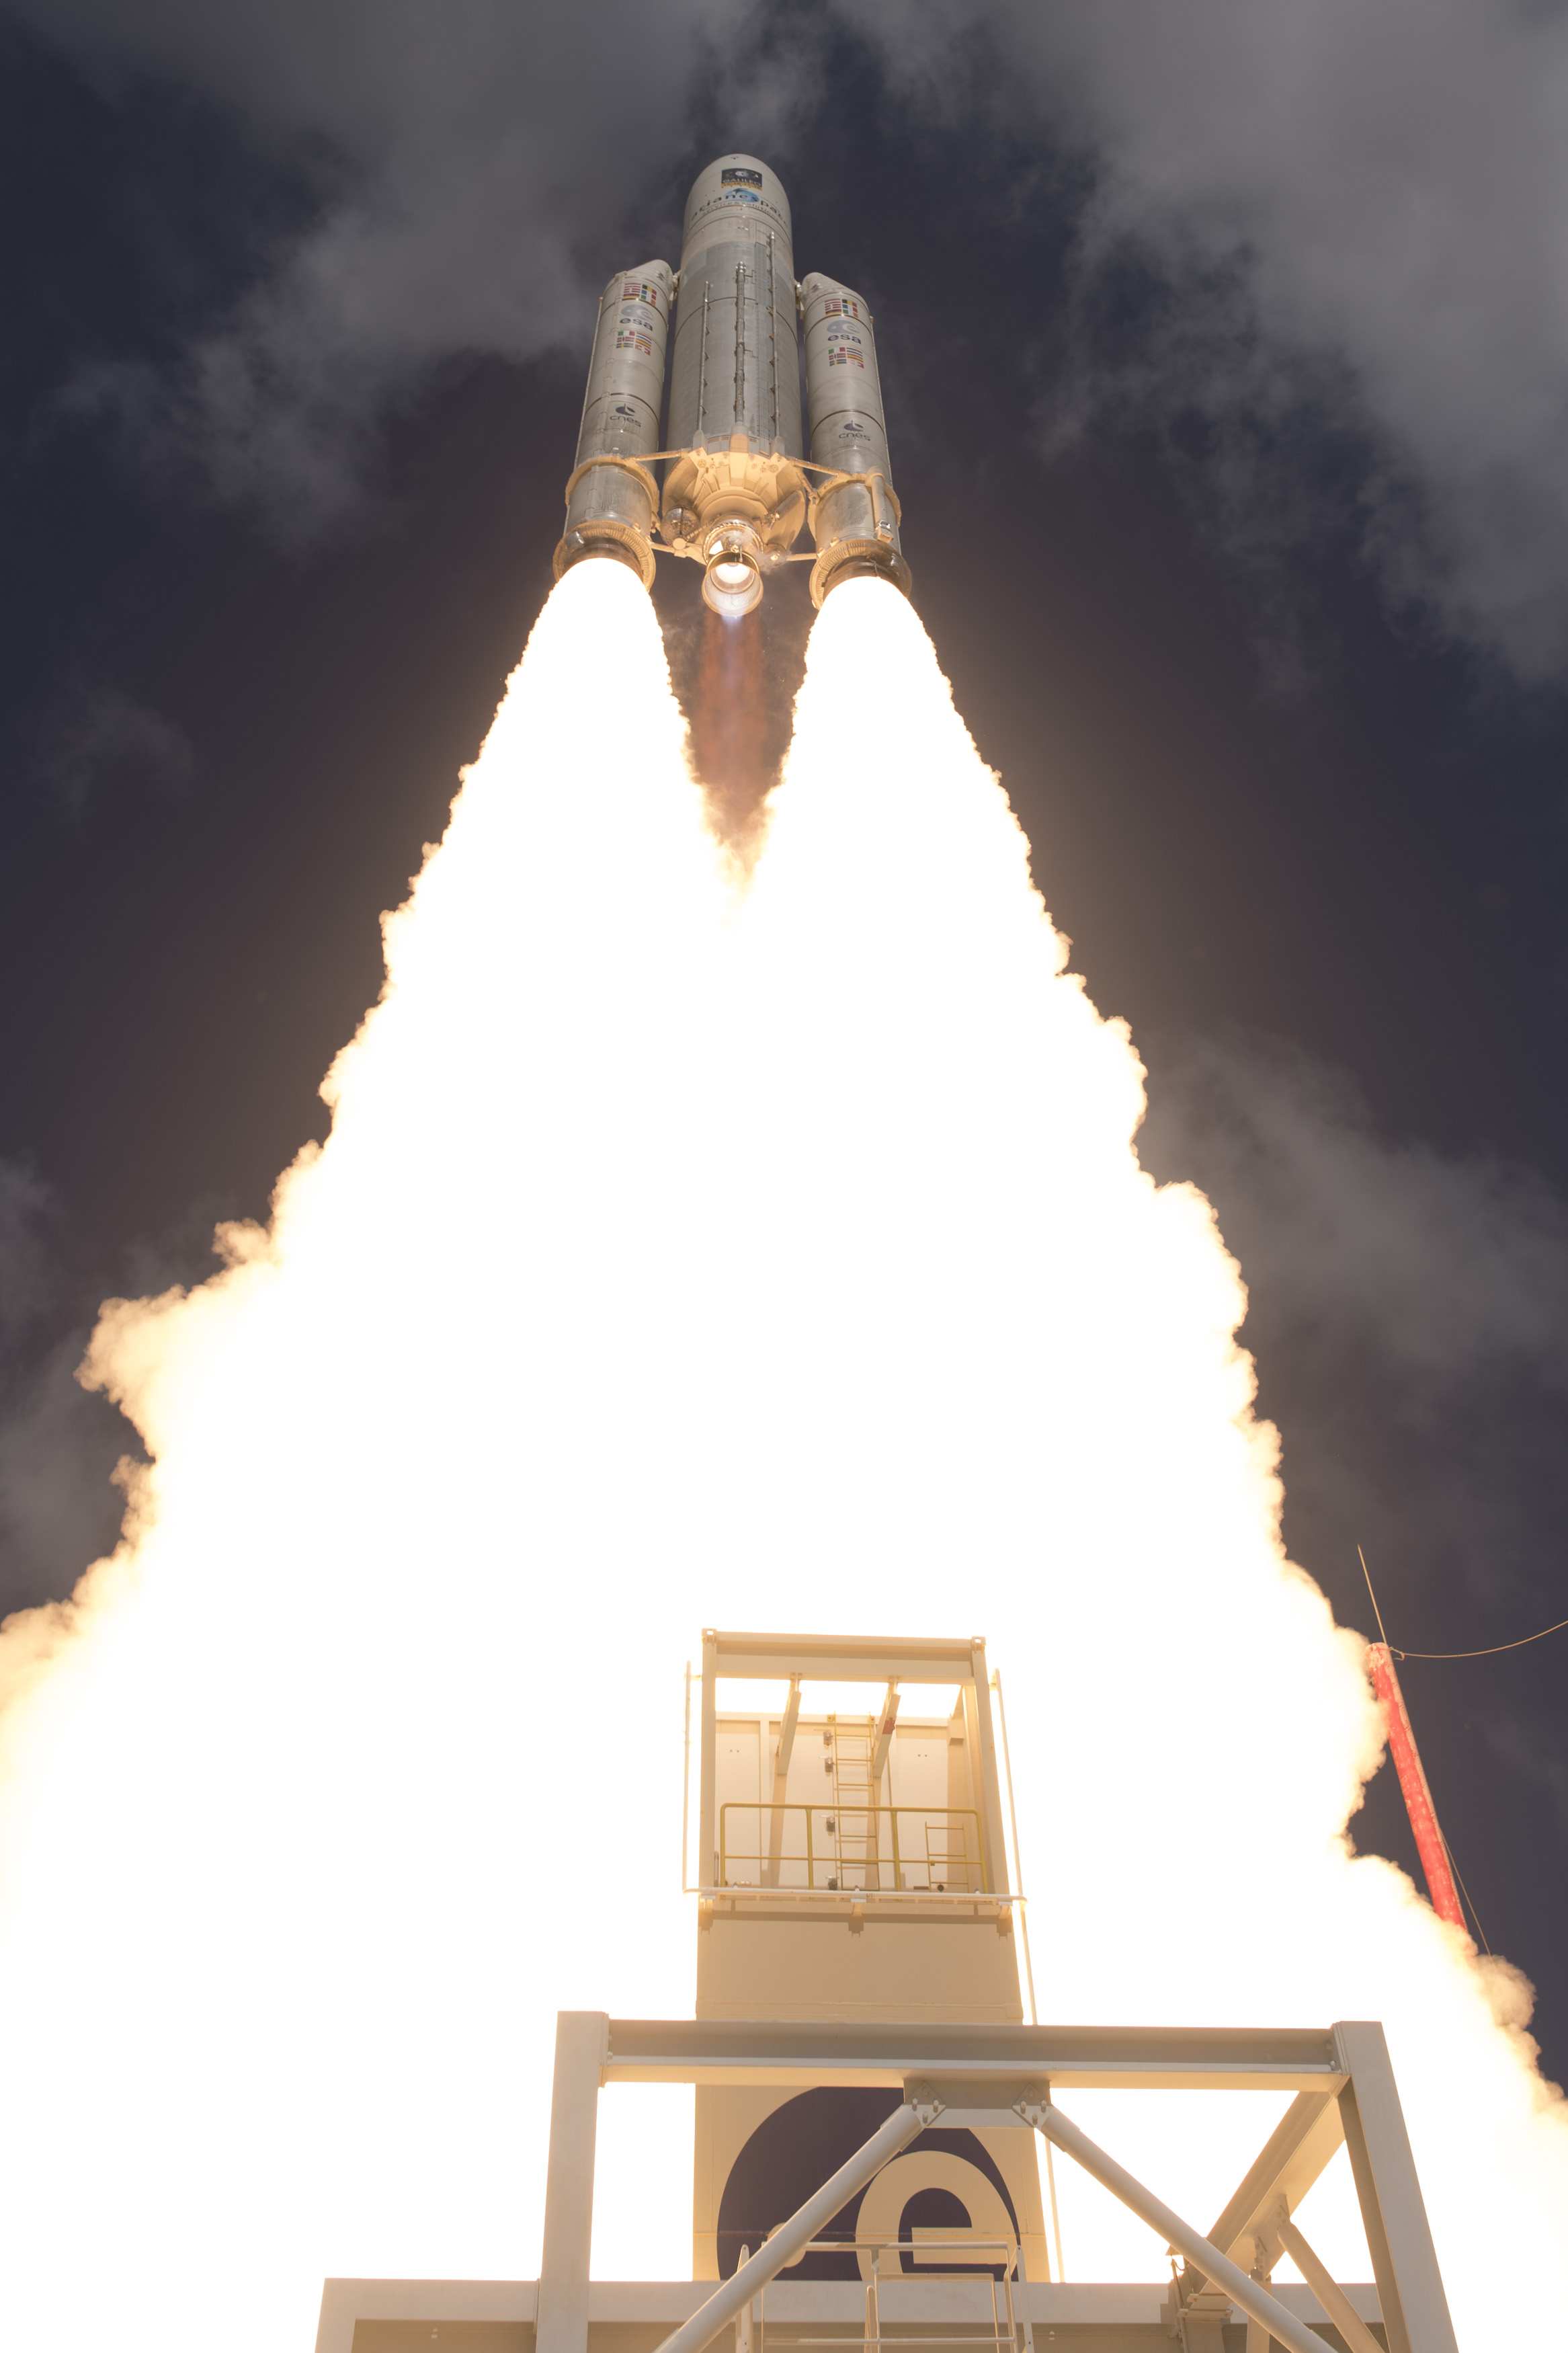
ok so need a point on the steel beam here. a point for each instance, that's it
(1126, 2058)
(990, 2073)
(1404, 2259)
(1203, 2331)
(841, 1658)
(1255, 2301)
(1326, 2288)
(706, 1820)
(1291, 2160)
(787, 1730)
(778, 2253)
(976, 1695)
(887, 1718)
(580, 2043)
(781, 1783)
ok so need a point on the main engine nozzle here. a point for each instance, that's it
(732, 580)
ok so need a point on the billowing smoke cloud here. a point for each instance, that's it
(59, 1451)
(1409, 1313)
(1415, 1310)
(26, 1205)
(455, 160)
(59, 1446)
(679, 1255)
(1355, 211)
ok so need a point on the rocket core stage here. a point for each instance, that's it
(737, 488)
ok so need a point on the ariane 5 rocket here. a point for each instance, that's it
(737, 488)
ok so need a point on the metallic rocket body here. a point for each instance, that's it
(736, 369)
(854, 517)
(612, 497)
(737, 487)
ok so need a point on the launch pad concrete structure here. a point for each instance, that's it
(870, 2099)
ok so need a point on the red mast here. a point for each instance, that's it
(1413, 1782)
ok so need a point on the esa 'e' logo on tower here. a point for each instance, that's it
(945, 2181)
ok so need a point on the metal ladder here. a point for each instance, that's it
(856, 1838)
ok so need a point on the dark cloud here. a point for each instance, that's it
(1408, 1316)
(60, 1505)
(1265, 438)
(471, 167)
(105, 742)
(1362, 202)
(1409, 1313)
(1531, 1749)
(26, 1209)
(62, 1448)
(59, 1446)
(1299, 221)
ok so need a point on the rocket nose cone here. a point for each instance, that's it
(738, 188)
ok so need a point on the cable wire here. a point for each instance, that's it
(1463, 1889)
(1495, 1649)
(1375, 1610)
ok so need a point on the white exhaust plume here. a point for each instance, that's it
(679, 1256)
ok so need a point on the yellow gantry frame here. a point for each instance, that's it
(841, 1658)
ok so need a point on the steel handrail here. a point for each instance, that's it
(942, 1817)
(1006, 2268)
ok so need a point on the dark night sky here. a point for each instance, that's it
(1297, 785)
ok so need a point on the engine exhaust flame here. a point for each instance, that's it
(677, 1256)
(728, 723)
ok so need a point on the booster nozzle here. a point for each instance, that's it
(855, 521)
(610, 505)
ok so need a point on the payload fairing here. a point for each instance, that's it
(737, 487)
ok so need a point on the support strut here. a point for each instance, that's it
(777, 2254)
(1255, 2301)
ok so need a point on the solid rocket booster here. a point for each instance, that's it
(737, 487)
(612, 497)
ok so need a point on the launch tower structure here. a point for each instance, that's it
(852, 1865)
(869, 2095)
(738, 487)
